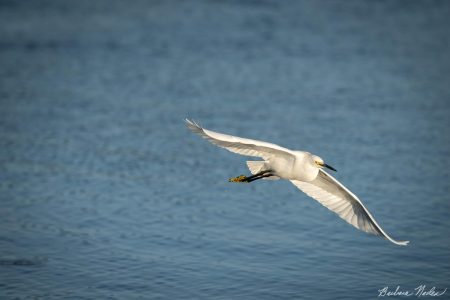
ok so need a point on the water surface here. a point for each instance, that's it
(106, 195)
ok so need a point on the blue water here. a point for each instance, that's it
(106, 195)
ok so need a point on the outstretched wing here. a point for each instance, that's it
(337, 198)
(239, 145)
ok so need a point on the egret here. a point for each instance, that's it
(304, 170)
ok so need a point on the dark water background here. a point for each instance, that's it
(106, 195)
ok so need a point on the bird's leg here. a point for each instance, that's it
(240, 178)
(256, 176)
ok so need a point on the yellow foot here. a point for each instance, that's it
(241, 178)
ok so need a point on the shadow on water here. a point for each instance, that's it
(24, 262)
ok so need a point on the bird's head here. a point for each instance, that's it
(320, 163)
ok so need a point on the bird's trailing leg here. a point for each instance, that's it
(240, 178)
(259, 177)
(243, 178)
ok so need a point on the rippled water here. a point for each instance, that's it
(105, 194)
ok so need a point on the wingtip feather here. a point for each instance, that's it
(400, 243)
(403, 243)
(192, 125)
(189, 121)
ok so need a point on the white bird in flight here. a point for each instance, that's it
(304, 170)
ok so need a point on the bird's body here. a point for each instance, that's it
(296, 166)
(304, 170)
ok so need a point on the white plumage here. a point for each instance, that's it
(303, 169)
